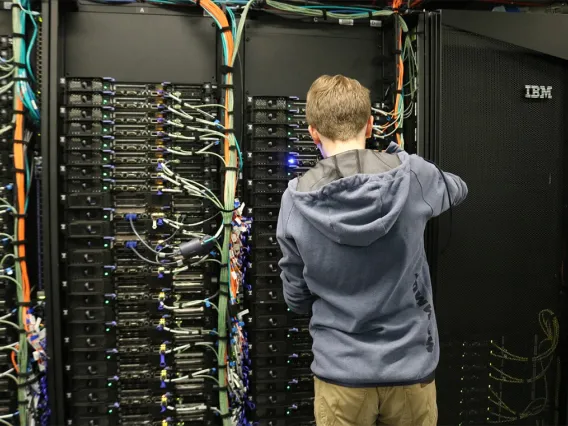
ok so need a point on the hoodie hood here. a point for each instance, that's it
(354, 198)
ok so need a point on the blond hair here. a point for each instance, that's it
(338, 107)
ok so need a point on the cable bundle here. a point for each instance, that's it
(544, 358)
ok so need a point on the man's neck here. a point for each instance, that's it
(336, 148)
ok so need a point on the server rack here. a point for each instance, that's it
(428, 138)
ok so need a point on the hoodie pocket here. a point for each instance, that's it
(421, 295)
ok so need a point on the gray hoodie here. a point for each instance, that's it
(352, 237)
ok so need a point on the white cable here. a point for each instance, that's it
(6, 372)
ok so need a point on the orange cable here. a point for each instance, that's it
(14, 362)
(19, 165)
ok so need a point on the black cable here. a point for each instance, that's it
(450, 209)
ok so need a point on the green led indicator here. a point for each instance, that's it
(287, 413)
(104, 158)
(110, 411)
(106, 303)
(105, 217)
(105, 187)
(104, 101)
(288, 336)
(110, 384)
(105, 130)
(106, 274)
(108, 329)
(108, 357)
(105, 174)
(288, 387)
(106, 245)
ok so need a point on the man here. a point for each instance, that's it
(351, 233)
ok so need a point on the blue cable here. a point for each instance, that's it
(26, 9)
(233, 22)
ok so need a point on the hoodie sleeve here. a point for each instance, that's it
(296, 293)
(436, 184)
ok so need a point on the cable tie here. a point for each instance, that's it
(224, 29)
(22, 331)
(20, 79)
(222, 367)
(20, 65)
(230, 112)
(226, 86)
(20, 141)
(17, 111)
(16, 170)
(230, 169)
(324, 12)
(398, 91)
(198, 3)
(19, 259)
(224, 337)
(19, 216)
(222, 388)
(26, 374)
(19, 242)
(25, 401)
(18, 35)
(223, 290)
(399, 130)
(229, 131)
(226, 69)
(233, 148)
(398, 52)
(24, 304)
(370, 14)
(226, 415)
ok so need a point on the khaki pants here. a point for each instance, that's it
(413, 405)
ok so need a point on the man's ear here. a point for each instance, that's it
(315, 135)
(369, 127)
